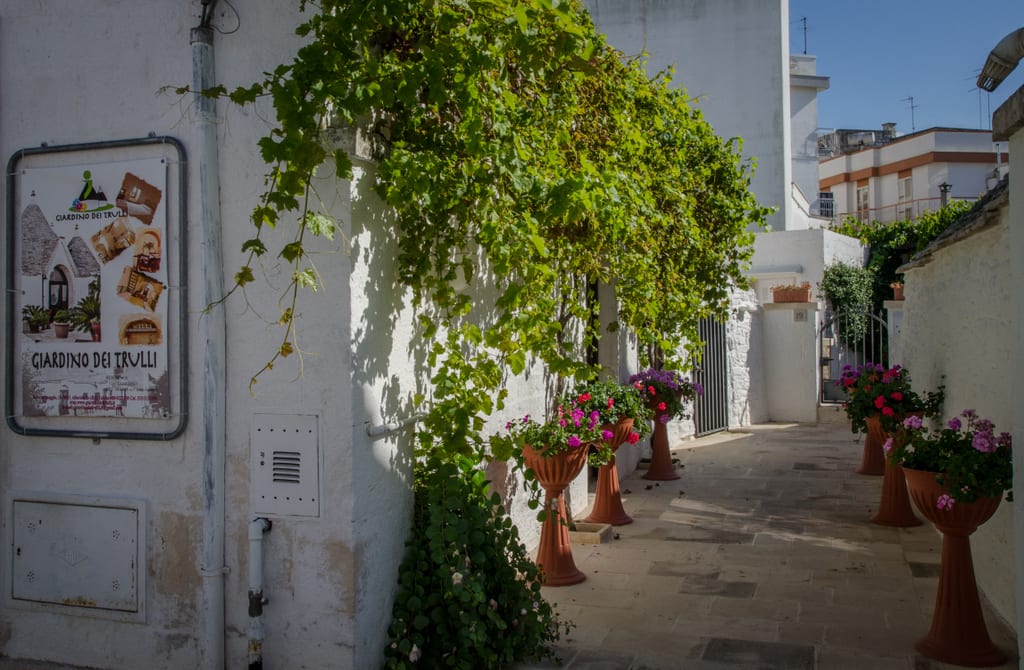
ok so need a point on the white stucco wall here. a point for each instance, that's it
(957, 325)
(796, 256)
(733, 57)
(745, 354)
(328, 578)
(1010, 121)
(791, 370)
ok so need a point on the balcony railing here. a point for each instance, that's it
(910, 209)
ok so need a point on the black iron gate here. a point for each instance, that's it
(711, 409)
(849, 338)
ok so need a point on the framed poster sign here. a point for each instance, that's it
(95, 299)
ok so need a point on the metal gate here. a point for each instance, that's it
(711, 409)
(849, 338)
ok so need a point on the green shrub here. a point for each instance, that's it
(468, 593)
(848, 290)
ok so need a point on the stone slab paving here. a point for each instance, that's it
(760, 556)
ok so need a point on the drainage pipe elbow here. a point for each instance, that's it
(1002, 60)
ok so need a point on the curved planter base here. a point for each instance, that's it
(608, 498)
(958, 634)
(554, 554)
(661, 468)
(872, 461)
(894, 508)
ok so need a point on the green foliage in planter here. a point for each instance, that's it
(847, 288)
(468, 595)
(61, 316)
(86, 311)
(36, 315)
(891, 245)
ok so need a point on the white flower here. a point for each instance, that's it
(456, 578)
(493, 604)
(414, 654)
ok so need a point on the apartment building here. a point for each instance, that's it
(882, 176)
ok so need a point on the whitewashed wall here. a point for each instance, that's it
(957, 330)
(328, 578)
(1008, 124)
(733, 57)
(745, 353)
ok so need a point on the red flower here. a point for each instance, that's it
(880, 402)
(651, 390)
(633, 438)
(662, 407)
(610, 403)
(896, 395)
(638, 386)
(888, 411)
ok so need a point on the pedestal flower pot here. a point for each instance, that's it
(894, 507)
(661, 468)
(555, 473)
(872, 461)
(958, 634)
(608, 498)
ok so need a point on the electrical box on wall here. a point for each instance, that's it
(80, 554)
(285, 465)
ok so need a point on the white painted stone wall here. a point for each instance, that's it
(328, 578)
(1009, 124)
(791, 381)
(733, 57)
(745, 353)
(957, 330)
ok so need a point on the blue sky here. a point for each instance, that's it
(877, 54)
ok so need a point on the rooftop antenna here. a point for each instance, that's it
(910, 99)
(804, 22)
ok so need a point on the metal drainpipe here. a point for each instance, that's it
(257, 527)
(214, 383)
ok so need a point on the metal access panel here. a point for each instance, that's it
(86, 558)
(285, 465)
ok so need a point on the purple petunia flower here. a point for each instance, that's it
(607, 435)
(887, 447)
(912, 421)
(574, 442)
(982, 441)
(945, 502)
(953, 424)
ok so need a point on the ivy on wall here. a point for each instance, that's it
(520, 147)
(523, 159)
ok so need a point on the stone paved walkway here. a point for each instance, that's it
(760, 556)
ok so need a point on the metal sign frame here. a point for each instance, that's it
(110, 419)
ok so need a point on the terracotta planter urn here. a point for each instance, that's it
(800, 293)
(661, 468)
(872, 461)
(958, 634)
(608, 497)
(894, 507)
(555, 473)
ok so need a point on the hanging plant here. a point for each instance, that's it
(518, 151)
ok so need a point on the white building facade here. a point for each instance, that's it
(909, 175)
